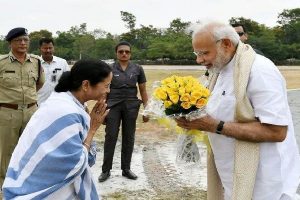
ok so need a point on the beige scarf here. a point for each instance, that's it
(246, 156)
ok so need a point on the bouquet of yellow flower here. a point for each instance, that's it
(180, 96)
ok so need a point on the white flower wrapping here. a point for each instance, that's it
(187, 151)
(176, 97)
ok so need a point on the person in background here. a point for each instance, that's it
(249, 123)
(53, 157)
(21, 77)
(241, 31)
(53, 67)
(124, 107)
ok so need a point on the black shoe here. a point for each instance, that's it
(104, 176)
(129, 174)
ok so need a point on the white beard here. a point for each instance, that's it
(221, 59)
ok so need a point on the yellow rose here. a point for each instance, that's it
(206, 92)
(193, 100)
(185, 97)
(160, 94)
(164, 88)
(167, 104)
(198, 87)
(167, 80)
(180, 81)
(171, 85)
(177, 85)
(188, 88)
(196, 94)
(171, 91)
(186, 105)
(201, 102)
(174, 98)
(181, 91)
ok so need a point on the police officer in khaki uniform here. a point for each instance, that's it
(20, 78)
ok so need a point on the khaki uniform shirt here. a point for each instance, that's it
(18, 81)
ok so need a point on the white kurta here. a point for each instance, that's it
(279, 165)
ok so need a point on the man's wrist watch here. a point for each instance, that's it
(220, 127)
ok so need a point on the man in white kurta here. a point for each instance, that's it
(278, 173)
(53, 67)
(279, 161)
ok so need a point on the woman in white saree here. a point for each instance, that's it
(53, 157)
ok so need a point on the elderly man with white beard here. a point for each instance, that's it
(253, 154)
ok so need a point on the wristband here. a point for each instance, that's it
(220, 127)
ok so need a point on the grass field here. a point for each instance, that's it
(292, 76)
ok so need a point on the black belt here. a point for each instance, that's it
(17, 106)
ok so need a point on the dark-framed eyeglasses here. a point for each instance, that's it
(240, 33)
(124, 51)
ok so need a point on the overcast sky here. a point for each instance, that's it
(60, 15)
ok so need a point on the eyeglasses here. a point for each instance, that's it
(240, 33)
(203, 53)
(124, 51)
(19, 40)
(200, 53)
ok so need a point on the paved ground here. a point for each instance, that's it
(159, 174)
(294, 102)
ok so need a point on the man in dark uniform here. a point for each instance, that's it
(241, 31)
(20, 78)
(124, 107)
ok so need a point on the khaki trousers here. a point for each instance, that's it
(12, 124)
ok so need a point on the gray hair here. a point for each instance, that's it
(217, 29)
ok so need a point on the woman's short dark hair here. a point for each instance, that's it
(94, 71)
(122, 43)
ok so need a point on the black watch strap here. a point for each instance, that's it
(220, 127)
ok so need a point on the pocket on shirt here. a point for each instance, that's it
(132, 79)
(58, 73)
(222, 107)
(10, 80)
(226, 108)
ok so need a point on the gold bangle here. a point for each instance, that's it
(85, 144)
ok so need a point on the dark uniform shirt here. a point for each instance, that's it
(124, 83)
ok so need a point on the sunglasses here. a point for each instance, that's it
(240, 33)
(124, 51)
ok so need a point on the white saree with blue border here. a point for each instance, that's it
(50, 161)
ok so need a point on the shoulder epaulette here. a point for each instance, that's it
(35, 56)
(3, 56)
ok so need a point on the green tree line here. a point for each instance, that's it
(171, 45)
